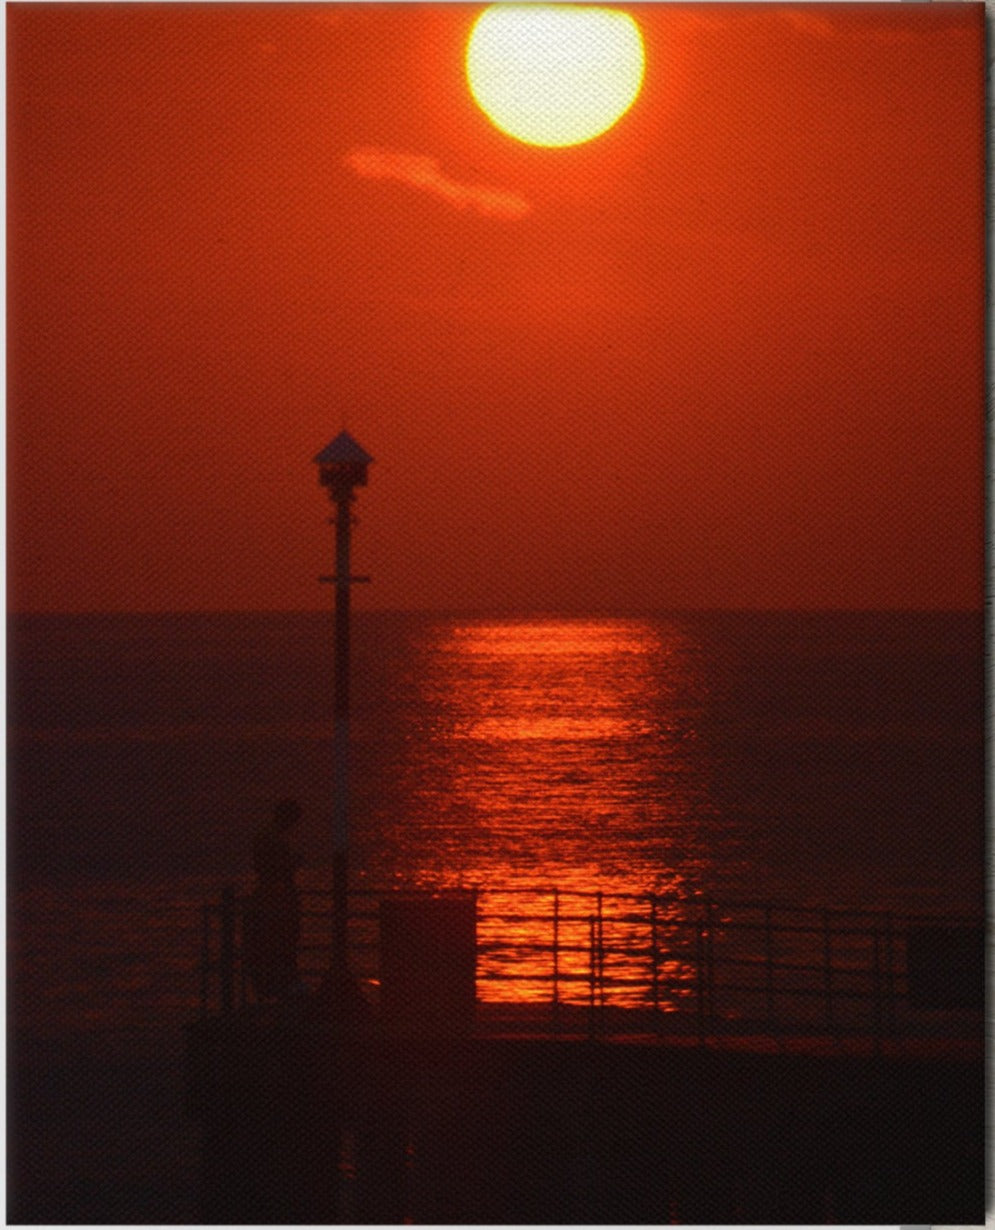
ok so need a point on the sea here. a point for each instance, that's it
(822, 759)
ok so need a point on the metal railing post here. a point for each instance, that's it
(205, 958)
(877, 992)
(700, 987)
(556, 960)
(827, 969)
(592, 959)
(769, 965)
(601, 952)
(227, 958)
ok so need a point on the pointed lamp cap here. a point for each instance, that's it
(342, 464)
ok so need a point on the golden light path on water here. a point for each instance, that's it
(566, 756)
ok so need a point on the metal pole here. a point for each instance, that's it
(342, 466)
(340, 803)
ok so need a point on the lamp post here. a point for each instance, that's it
(342, 466)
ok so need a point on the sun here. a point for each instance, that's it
(554, 74)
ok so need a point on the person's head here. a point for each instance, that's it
(286, 813)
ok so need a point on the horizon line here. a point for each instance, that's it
(506, 611)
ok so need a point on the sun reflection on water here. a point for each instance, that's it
(562, 754)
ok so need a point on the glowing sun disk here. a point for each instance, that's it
(554, 74)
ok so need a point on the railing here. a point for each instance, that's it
(625, 963)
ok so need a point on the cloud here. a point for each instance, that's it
(423, 172)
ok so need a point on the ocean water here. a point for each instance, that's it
(816, 759)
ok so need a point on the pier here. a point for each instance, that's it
(733, 1078)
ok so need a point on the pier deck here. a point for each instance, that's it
(305, 1122)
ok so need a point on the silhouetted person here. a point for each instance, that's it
(273, 913)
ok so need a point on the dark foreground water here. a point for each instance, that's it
(819, 759)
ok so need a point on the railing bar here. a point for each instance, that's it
(733, 924)
(582, 894)
(511, 948)
(616, 919)
(517, 978)
(501, 976)
(744, 988)
(622, 980)
(510, 951)
(724, 925)
(759, 963)
(504, 976)
(837, 911)
(844, 911)
(730, 924)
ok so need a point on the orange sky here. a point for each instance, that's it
(729, 354)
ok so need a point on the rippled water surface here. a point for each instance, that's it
(820, 759)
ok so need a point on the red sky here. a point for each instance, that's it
(728, 354)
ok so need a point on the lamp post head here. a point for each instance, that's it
(342, 465)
